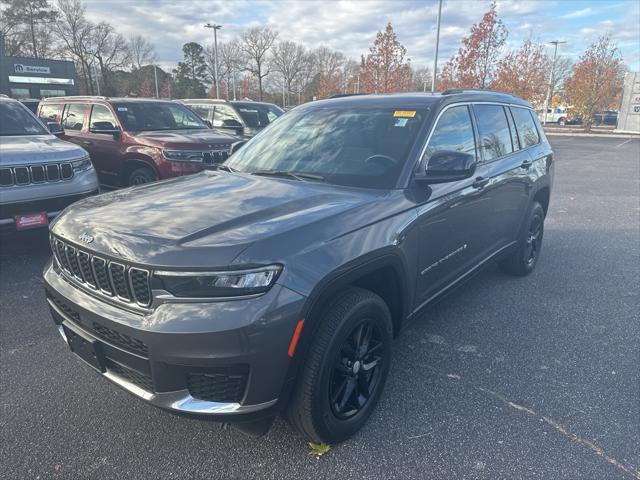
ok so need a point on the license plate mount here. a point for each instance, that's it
(86, 348)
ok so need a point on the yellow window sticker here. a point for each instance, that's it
(404, 113)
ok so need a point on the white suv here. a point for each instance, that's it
(40, 174)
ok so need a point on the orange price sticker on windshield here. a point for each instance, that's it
(404, 113)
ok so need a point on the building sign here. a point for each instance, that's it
(20, 68)
(41, 80)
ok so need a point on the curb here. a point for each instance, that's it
(601, 135)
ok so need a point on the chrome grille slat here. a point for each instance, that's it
(129, 285)
(29, 174)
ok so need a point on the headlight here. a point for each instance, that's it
(232, 283)
(82, 164)
(183, 156)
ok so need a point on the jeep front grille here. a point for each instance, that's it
(117, 280)
(28, 174)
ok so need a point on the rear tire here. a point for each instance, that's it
(527, 252)
(342, 380)
(140, 176)
(562, 121)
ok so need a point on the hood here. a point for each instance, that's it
(31, 149)
(206, 220)
(186, 139)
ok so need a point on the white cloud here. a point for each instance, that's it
(351, 26)
(578, 13)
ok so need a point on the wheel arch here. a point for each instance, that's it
(133, 162)
(382, 272)
(543, 196)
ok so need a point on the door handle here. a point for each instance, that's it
(526, 164)
(86, 142)
(480, 183)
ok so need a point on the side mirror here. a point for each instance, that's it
(236, 146)
(232, 124)
(55, 129)
(106, 128)
(448, 166)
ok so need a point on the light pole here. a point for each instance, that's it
(551, 78)
(435, 56)
(155, 76)
(215, 28)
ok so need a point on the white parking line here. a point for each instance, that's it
(620, 144)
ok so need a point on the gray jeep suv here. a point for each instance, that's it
(277, 282)
(40, 174)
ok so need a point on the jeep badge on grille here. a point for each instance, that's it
(85, 237)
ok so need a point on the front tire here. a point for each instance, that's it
(525, 257)
(345, 370)
(140, 176)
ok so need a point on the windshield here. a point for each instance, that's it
(151, 116)
(258, 115)
(15, 119)
(354, 147)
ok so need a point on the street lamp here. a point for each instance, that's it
(435, 57)
(215, 53)
(551, 78)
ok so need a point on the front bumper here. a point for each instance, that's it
(223, 359)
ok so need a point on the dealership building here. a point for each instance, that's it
(22, 77)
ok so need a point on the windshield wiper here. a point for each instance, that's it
(286, 174)
(226, 168)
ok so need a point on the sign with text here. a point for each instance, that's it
(20, 68)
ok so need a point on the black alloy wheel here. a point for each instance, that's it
(356, 373)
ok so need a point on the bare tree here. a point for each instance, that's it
(76, 32)
(256, 43)
(302, 82)
(141, 52)
(288, 58)
(110, 50)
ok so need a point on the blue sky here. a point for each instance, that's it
(350, 26)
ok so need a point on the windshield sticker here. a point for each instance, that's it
(404, 113)
(401, 122)
(122, 109)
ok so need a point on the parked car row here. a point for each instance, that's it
(562, 116)
(125, 141)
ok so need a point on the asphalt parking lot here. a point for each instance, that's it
(537, 377)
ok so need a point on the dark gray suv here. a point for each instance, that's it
(277, 282)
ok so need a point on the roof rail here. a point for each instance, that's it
(451, 91)
(342, 95)
(79, 97)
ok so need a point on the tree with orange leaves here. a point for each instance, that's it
(523, 73)
(475, 63)
(596, 81)
(384, 69)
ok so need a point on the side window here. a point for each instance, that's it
(453, 132)
(49, 112)
(73, 118)
(102, 118)
(224, 113)
(527, 131)
(203, 111)
(495, 138)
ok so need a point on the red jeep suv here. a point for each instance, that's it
(137, 140)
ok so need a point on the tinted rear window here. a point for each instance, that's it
(527, 131)
(495, 137)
